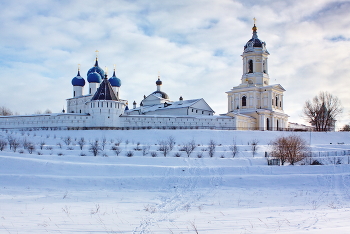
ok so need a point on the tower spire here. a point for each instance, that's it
(255, 29)
(96, 61)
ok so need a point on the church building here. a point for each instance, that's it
(254, 104)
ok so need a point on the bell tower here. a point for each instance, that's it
(255, 66)
(255, 103)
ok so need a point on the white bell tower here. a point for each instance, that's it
(255, 102)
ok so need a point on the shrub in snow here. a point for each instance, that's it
(177, 154)
(154, 154)
(234, 149)
(211, 148)
(3, 144)
(199, 155)
(189, 147)
(164, 147)
(316, 162)
(117, 150)
(60, 154)
(81, 143)
(254, 146)
(21, 151)
(67, 140)
(290, 149)
(145, 150)
(30, 148)
(95, 148)
(129, 154)
(40, 153)
(49, 148)
(70, 148)
(82, 154)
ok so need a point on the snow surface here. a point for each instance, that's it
(48, 193)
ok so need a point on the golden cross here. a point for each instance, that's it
(114, 66)
(79, 67)
(254, 20)
(158, 74)
(97, 53)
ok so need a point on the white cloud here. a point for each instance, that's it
(196, 46)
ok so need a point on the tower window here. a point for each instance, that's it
(74, 94)
(250, 66)
(244, 101)
(276, 101)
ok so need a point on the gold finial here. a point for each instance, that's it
(114, 66)
(97, 53)
(158, 74)
(106, 70)
(254, 27)
(78, 66)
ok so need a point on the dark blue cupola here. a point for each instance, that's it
(96, 69)
(115, 81)
(78, 80)
(94, 77)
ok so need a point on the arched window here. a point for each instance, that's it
(277, 125)
(250, 66)
(276, 101)
(267, 124)
(74, 94)
(244, 101)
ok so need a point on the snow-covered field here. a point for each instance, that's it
(57, 190)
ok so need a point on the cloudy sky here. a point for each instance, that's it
(195, 45)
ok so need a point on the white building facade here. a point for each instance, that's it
(254, 104)
(257, 103)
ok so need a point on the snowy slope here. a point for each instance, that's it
(48, 193)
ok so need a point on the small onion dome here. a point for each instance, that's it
(97, 69)
(255, 41)
(78, 80)
(159, 82)
(134, 103)
(181, 99)
(161, 94)
(94, 77)
(115, 81)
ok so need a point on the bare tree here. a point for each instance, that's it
(254, 146)
(95, 148)
(322, 111)
(67, 140)
(164, 147)
(290, 149)
(346, 128)
(4, 111)
(211, 148)
(31, 147)
(48, 111)
(81, 143)
(234, 149)
(104, 142)
(42, 143)
(145, 150)
(3, 144)
(117, 150)
(189, 147)
(171, 142)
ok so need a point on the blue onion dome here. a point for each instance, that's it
(78, 80)
(97, 69)
(255, 41)
(115, 81)
(159, 82)
(94, 77)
